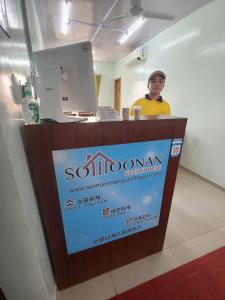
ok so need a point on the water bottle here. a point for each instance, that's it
(30, 106)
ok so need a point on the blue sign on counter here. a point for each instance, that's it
(109, 192)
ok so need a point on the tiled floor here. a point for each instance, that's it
(196, 226)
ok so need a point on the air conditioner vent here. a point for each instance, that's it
(137, 56)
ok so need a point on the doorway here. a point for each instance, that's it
(117, 94)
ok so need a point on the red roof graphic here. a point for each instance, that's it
(99, 154)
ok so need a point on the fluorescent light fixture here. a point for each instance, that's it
(130, 31)
(66, 8)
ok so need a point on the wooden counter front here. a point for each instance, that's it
(40, 140)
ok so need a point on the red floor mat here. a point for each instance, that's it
(200, 279)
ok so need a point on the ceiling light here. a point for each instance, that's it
(130, 31)
(66, 8)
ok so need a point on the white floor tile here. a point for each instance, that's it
(197, 247)
(140, 271)
(221, 231)
(191, 220)
(98, 288)
(172, 236)
(205, 198)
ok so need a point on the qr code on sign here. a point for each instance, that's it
(175, 151)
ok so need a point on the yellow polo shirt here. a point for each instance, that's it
(152, 107)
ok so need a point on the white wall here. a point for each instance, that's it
(106, 94)
(192, 53)
(25, 271)
(34, 26)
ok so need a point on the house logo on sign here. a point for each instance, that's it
(96, 165)
(99, 163)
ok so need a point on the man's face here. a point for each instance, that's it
(156, 84)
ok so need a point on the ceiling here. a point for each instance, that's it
(53, 17)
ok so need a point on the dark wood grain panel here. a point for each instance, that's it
(40, 140)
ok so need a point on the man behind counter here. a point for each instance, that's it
(153, 103)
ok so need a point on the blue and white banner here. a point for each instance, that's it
(109, 192)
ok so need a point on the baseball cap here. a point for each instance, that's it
(159, 73)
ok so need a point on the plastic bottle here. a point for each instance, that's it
(30, 106)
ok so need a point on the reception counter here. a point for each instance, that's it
(104, 190)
